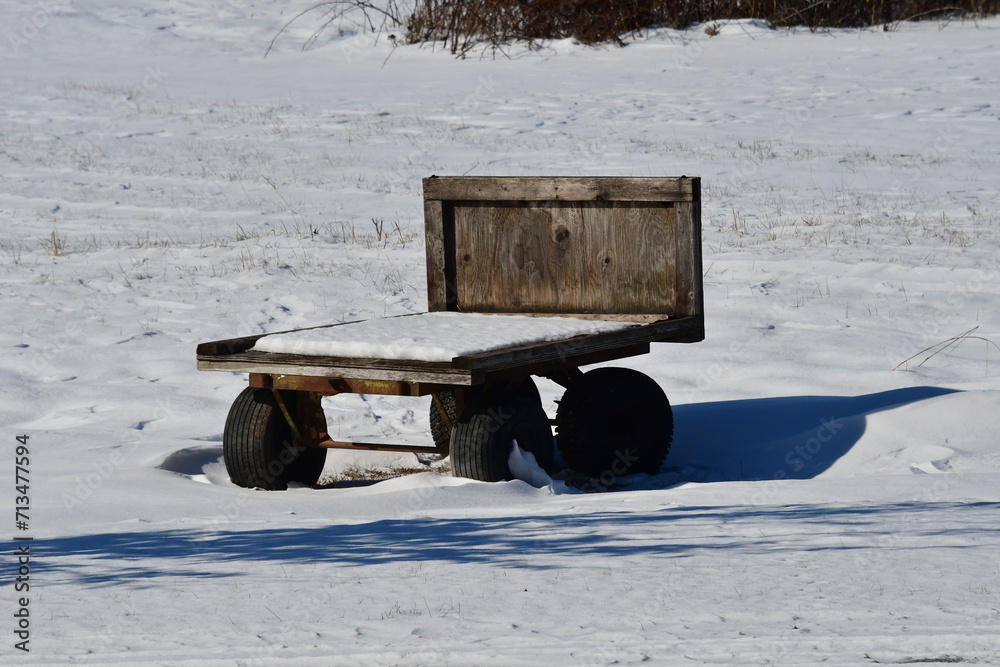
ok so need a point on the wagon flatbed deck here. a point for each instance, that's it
(534, 357)
(605, 266)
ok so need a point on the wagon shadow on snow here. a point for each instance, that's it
(795, 437)
(516, 540)
(723, 440)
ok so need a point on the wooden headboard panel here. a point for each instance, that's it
(614, 248)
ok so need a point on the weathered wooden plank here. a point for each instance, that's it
(270, 363)
(566, 257)
(637, 318)
(228, 346)
(696, 271)
(687, 251)
(688, 329)
(437, 293)
(333, 386)
(535, 188)
(541, 365)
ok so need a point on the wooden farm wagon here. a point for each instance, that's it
(538, 277)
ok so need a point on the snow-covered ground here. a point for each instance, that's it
(163, 184)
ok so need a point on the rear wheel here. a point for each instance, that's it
(614, 422)
(259, 447)
(485, 433)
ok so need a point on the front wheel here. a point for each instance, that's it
(259, 447)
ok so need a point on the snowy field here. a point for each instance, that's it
(163, 184)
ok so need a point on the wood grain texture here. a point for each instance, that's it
(591, 246)
(437, 293)
(564, 188)
(566, 257)
(687, 254)
(687, 329)
(332, 386)
(274, 363)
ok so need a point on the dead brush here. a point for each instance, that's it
(462, 25)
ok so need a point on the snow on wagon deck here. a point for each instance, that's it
(439, 336)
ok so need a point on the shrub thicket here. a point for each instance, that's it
(462, 24)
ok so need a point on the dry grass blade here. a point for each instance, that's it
(946, 344)
(57, 244)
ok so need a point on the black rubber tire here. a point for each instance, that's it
(259, 448)
(442, 421)
(614, 422)
(484, 433)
